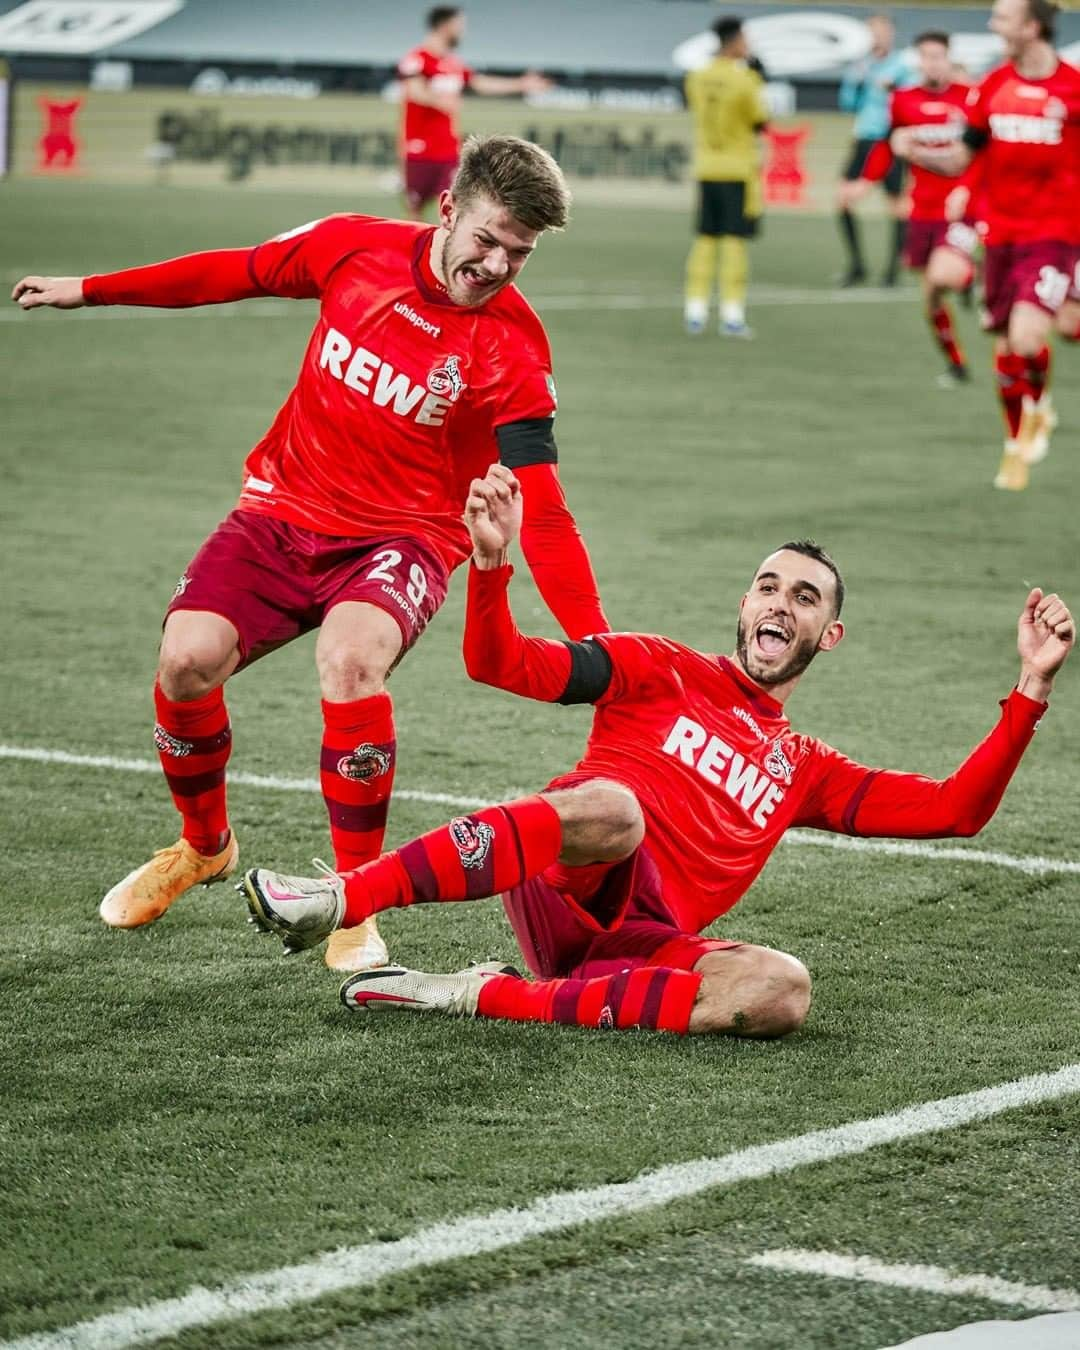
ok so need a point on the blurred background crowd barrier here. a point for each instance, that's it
(271, 93)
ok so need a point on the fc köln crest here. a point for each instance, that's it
(445, 381)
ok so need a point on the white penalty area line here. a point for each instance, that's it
(924, 1279)
(1030, 865)
(362, 1266)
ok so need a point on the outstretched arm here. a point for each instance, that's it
(294, 264)
(495, 650)
(853, 799)
(532, 82)
(196, 279)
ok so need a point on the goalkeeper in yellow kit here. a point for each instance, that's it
(727, 101)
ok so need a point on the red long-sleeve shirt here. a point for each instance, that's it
(402, 398)
(716, 768)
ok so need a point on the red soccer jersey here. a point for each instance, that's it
(936, 116)
(430, 133)
(400, 393)
(713, 762)
(402, 397)
(1031, 132)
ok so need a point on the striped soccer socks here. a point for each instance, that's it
(193, 742)
(941, 323)
(651, 997)
(471, 858)
(356, 772)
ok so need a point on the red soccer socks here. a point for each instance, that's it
(1011, 371)
(194, 741)
(941, 322)
(357, 774)
(653, 997)
(471, 858)
(1037, 372)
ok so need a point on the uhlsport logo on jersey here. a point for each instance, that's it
(417, 320)
(181, 586)
(445, 381)
(472, 839)
(365, 762)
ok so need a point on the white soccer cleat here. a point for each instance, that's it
(302, 911)
(359, 948)
(696, 317)
(414, 991)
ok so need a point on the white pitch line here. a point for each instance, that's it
(926, 1279)
(362, 1266)
(38, 755)
(1031, 865)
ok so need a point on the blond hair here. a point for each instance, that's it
(518, 175)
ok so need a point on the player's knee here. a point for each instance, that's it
(601, 822)
(347, 672)
(186, 672)
(752, 991)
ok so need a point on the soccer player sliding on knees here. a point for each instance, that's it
(690, 778)
(425, 364)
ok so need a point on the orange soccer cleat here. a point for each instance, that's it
(145, 894)
(359, 948)
(1037, 421)
(1013, 473)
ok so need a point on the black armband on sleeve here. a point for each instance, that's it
(590, 673)
(531, 441)
(975, 137)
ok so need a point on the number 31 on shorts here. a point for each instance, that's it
(385, 561)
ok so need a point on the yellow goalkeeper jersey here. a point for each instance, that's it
(727, 102)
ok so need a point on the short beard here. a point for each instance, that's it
(799, 658)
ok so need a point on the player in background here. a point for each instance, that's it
(865, 91)
(1067, 319)
(1024, 122)
(425, 364)
(727, 102)
(433, 80)
(690, 778)
(931, 113)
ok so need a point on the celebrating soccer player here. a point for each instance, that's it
(932, 113)
(432, 82)
(689, 780)
(425, 364)
(1024, 120)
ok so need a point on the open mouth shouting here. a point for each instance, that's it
(772, 639)
(476, 283)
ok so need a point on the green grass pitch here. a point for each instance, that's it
(181, 1107)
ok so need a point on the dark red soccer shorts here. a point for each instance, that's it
(1033, 274)
(613, 919)
(426, 178)
(1074, 273)
(274, 581)
(922, 237)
